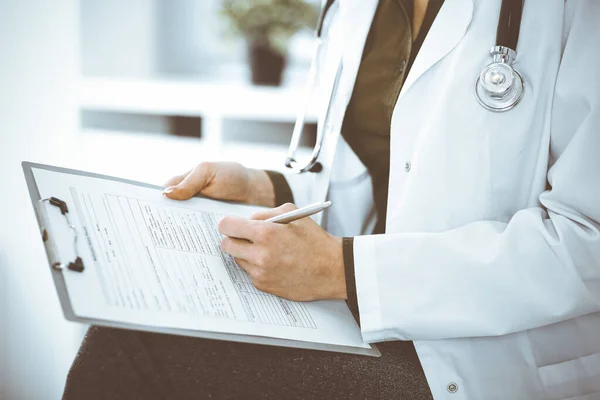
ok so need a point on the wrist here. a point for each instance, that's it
(338, 270)
(260, 189)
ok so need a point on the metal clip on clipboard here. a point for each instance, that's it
(77, 265)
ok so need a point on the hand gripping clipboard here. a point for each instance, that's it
(49, 229)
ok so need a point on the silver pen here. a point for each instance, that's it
(300, 213)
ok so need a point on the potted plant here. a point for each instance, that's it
(267, 26)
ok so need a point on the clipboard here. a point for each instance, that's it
(58, 268)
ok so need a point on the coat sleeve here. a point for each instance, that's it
(489, 278)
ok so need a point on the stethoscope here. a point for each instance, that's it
(498, 88)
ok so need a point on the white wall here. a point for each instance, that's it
(146, 37)
(38, 67)
(3, 328)
(118, 38)
(149, 37)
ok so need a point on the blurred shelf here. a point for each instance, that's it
(155, 157)
(209, 99)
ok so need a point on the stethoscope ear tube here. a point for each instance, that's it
(301, 117)
(313, 165)
(292, 163)
(322, 16)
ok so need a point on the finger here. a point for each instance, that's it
(247, 266)
(237, 248)
(236, 227)
(176, 180)
(273, 212)
(192, 184)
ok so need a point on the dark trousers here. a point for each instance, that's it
(119, 364)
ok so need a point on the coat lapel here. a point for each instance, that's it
(357, 16)
(445, 34)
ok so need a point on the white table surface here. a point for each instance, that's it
(187, 97)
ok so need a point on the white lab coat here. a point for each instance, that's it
(491, 260)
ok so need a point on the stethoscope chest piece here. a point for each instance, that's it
(500, 87)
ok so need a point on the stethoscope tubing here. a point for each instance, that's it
(507, 38)
(509, 24)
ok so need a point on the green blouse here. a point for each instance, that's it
(389, 52)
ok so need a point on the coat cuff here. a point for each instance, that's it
(367, 289)
(348, 251)
(283, 192)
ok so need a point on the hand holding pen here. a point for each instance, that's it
(298, 261)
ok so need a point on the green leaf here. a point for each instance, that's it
(274, 21)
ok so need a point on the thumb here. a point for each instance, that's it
(192, 184)
(273, 212)
(176, 180)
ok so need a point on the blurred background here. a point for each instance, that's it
(140, 89)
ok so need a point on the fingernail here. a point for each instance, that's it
(168, 190)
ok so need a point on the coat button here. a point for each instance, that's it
(452, 387)
(407, 166)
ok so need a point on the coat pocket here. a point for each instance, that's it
(574, 379)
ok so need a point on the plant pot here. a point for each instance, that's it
(266, 64)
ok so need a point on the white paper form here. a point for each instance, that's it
(157, 262)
